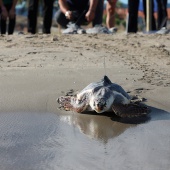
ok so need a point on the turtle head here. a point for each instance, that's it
(101, 100)
(99, 104)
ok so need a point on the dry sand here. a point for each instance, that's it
(36, 69)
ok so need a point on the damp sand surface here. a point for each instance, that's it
(35, 134)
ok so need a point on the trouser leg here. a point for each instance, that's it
(11, 25)
(32, 16)
(4, 21)
(162, 13)
(153, 19)
(48, 13)
(133, 6)
(3, 26)
(61, 19)
(98, 14)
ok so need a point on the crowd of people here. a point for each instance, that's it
(78, 12)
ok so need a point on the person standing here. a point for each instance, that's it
(33, 12)
(7, 8)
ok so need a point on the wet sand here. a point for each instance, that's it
(35, 134)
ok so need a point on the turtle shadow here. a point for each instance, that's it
(154, 114)
(159, 114)
(115, 118)
(135, 120)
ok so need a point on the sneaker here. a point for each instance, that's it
(163, 30)
(113, 30)
(81, 31)
(98, 29)
(73, 29)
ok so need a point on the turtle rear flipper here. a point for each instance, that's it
(130, 110)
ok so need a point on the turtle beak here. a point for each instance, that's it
(99, 108)
(99, 105)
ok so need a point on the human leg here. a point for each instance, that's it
(61, 19)
(98, 13)
(3, 26)
(153, 18)
(133, 16)
(162, 13)
(12, 20)
(110, 13)
(3, 21)
(32, 15)
(48, 13)
(11, 25)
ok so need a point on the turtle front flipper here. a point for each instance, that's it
(130, 110)
(69, 103)
(64, 102)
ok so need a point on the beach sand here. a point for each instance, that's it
(36, 69)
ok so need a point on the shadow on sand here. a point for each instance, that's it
(115, 118)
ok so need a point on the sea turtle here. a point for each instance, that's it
(103, 96)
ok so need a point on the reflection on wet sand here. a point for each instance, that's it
(33, 141)
(107, 126)
(96, 126)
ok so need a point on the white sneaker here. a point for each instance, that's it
(163, 30)
(113, 30)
